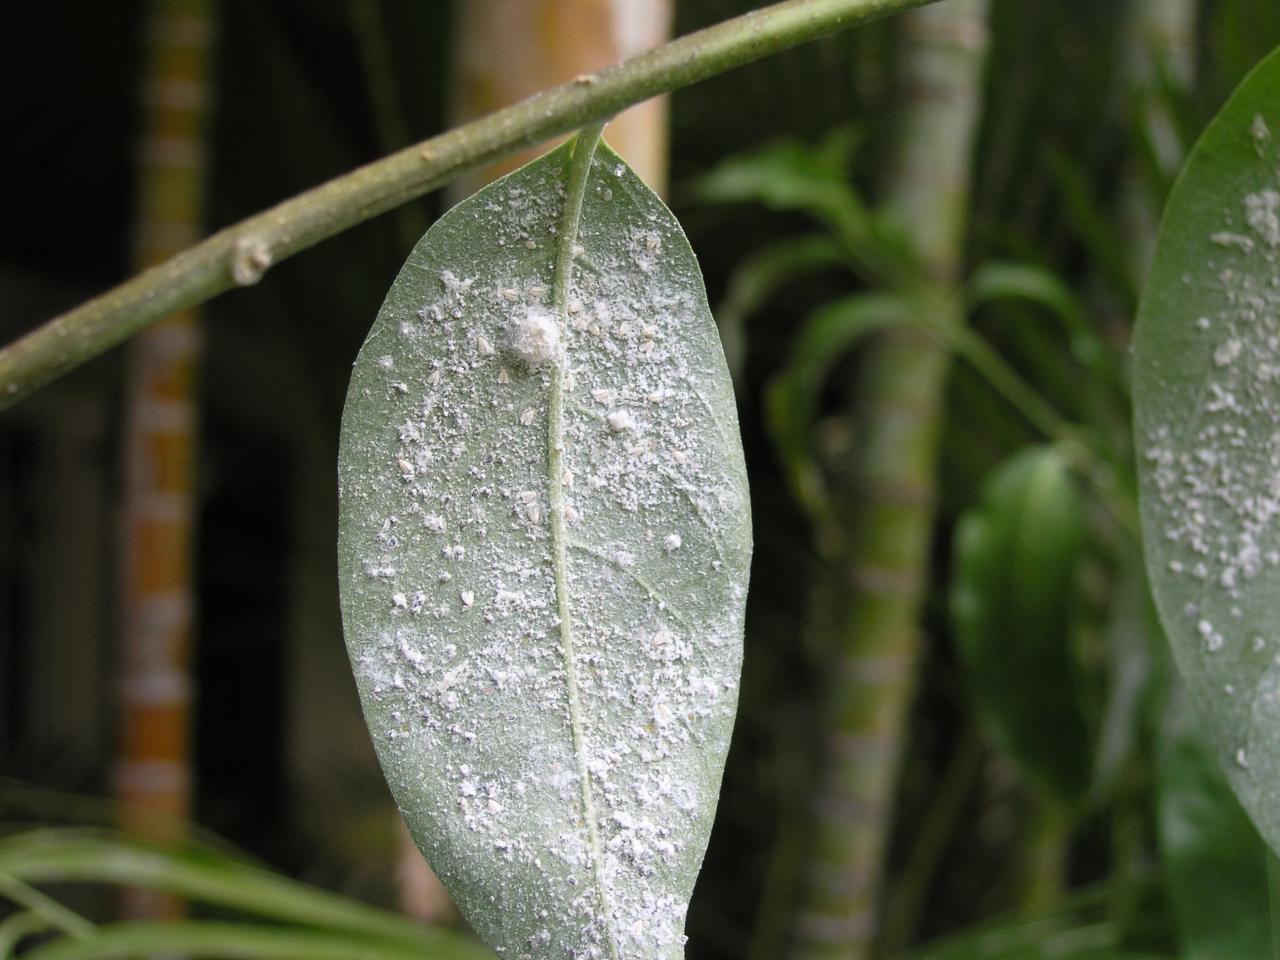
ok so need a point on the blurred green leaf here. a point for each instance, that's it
(216, 940)
(50, 911)
(69, 855)
(1206, 356)
(1076, 927)
(761, 277)
(790, 176)
(16, 928)
(1015, 563)
(1003, 280)
(1215, 864)
(792, 397)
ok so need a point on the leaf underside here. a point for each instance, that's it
(543, 553)
(1207, 410)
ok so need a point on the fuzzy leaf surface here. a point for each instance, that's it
(544, 558)
(1207, 411)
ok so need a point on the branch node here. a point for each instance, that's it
(249, 260)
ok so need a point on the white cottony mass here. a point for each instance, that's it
(535, 336)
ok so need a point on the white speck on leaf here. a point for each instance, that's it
(1225, 238)
(1227, 352)
(621, 421)
(1262, 213)
(1260, 132)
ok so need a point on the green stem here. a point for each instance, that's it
(1005, 380)
(240, 254)
(1046, 854)
(905, 903)
(1041, 414)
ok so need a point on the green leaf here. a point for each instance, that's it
(792, 177)
(1002, 280)
(1215, 864)
(208, 876)
(544, 546)
(17, 927)
(791, 401)
(760, 278)
(1012, 591)
(216, 940)
(1207, 404)
(1077, 926)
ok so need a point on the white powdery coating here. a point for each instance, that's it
(455, 627)
(535, 336)
(1260, 132)
(1262, 212)
(1213, 462)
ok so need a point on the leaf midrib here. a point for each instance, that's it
(583, 148)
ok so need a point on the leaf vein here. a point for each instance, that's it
(579, 171)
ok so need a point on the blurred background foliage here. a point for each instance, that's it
(1050, 798)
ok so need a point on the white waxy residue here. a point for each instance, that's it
(535, 336)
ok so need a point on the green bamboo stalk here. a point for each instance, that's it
(241, 254)
(872, 593)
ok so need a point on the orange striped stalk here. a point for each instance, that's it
(506, 50)
(153, 766)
